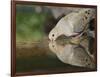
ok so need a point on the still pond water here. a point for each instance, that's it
(48, 55)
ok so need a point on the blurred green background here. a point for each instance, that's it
(30, 21)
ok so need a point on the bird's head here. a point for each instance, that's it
(53, 34)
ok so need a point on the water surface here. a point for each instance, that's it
(53, 56)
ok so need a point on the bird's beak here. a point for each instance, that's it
(50, 39)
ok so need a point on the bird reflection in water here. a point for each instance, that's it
(73, 54)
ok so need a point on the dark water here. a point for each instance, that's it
(53, 56)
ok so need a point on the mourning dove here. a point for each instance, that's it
(72, 24)
(72, 54)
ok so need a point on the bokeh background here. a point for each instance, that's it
(29, 23)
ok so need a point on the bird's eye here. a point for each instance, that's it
(53, 46)
(86, 59)
(53, 35)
